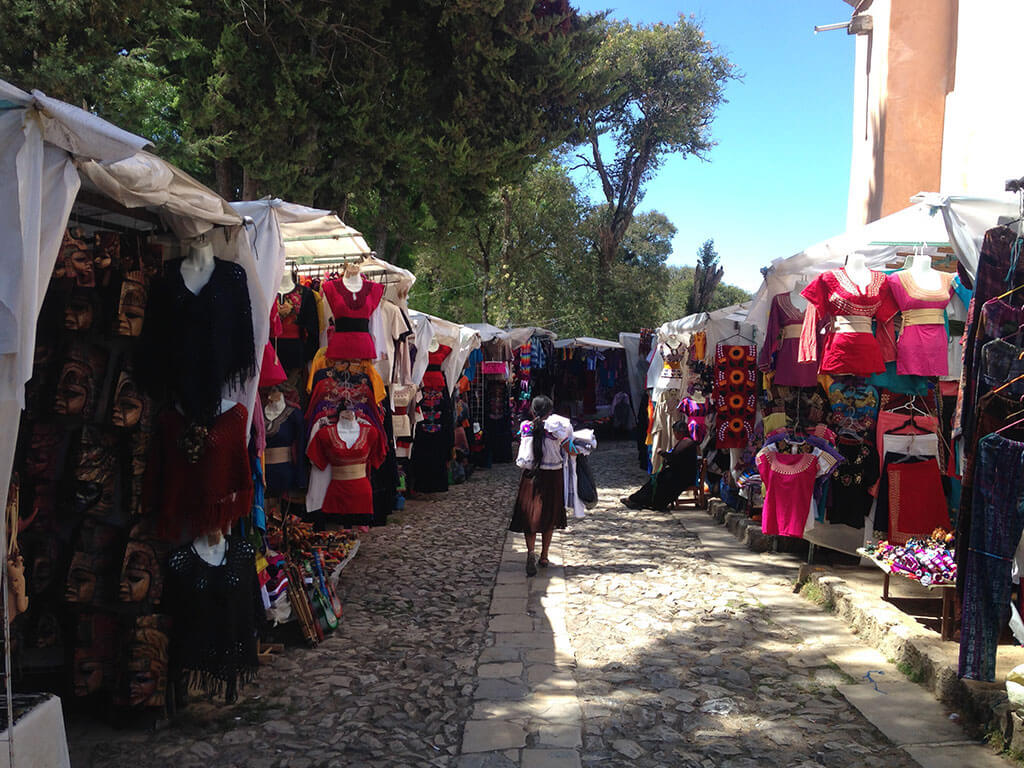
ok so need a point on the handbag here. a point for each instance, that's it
(586, 488)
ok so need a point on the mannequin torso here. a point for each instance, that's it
(197, 268)
(434, 345)
(796, 297)
(211, 547)
(348, 428)
(274, 407)
(857, 269)
(926, 278)
(287, 284)
(352, 279)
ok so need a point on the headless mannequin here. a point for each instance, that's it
(352, 279)
(926, 278)
(857, 269)
(348, 427)
(796, 297)
(211, 547)
(274, 407)
(197, 268)
(434, 345)
(287, 284)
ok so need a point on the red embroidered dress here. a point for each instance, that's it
(850, 346)
(351, 339)
(349, 492)
(789, 488)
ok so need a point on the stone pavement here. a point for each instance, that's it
(648, 647)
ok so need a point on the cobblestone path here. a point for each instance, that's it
(646, 654)
(677, 665)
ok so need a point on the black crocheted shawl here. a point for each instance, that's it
(193, 345)
(214, 607)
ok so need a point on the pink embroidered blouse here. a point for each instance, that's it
(921, 349)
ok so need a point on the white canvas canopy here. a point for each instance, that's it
(461, 338)
(586, 342)
(321, 239)
(514, 337)
(933, 221)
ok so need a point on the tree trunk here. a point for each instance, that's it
(485, 262)
(222, 168)
(249, 186)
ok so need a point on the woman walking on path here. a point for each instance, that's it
(540, 504)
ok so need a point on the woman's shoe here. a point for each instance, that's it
(544, 563)
(531, 564)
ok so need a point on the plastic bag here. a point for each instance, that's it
(586, 488)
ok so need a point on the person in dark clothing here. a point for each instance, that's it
(678, 472)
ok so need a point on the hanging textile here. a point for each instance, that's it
(735, 394)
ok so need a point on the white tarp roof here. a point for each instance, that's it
(49, 150)
(461, 338)
(319, 237)
(586, 342)
(933, 220)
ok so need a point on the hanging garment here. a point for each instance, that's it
(854, 407)
(349, 496)
(917, 503)
(196, 344)
(852, 482)
(351, 339)
(850, 346)
(272, 372)
(789, 489)
(299, 336)
(735, 395)
(666, 412)
(498, 423)
(198, 478)
(283, 467)
(996, 526)
(432, 446)
(921, 348)
(782, 345)
(215, 609)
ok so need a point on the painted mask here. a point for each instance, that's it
(147, 662)
(131, 307)
(128, 402)
(95, 651)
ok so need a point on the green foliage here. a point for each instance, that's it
(666, 82)
(706, 277)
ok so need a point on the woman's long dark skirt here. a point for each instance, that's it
(540, 503)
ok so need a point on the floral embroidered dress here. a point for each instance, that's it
(349, 494)
(850, 346)
(782, 345)
(921, 349)
(351, 339)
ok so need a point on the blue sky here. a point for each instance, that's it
(778, 179)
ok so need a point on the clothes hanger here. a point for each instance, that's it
(1014, 380)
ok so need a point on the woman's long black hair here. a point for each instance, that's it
(541, 408)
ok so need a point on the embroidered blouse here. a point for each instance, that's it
(789, 488)
(781, 346)
(351, 339)
(921, 349)
(850, 346)
(349, 492)
(434, 377)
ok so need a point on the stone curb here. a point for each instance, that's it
(916, 650)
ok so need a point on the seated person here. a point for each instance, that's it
(678, 472)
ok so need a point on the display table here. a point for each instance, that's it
(948, 593)
(39, 737)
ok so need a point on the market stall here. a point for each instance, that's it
(136, 306)
(589, 375)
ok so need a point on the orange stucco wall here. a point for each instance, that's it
(913, 70)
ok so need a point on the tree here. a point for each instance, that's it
(706, 277)
(669, 81)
